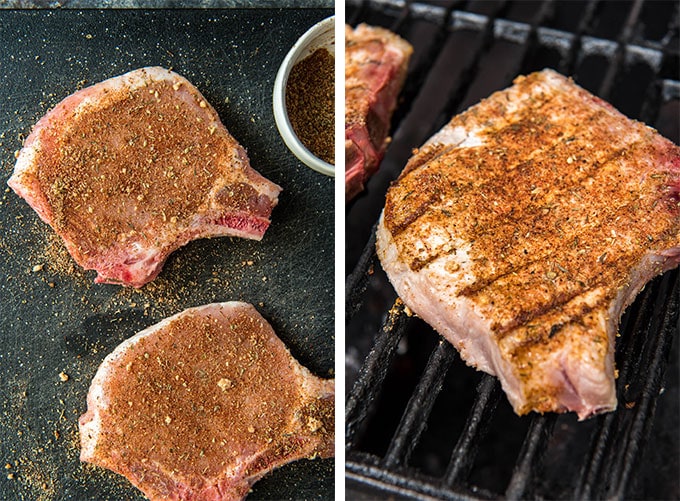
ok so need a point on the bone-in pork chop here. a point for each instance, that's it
(375, 69)
(128, 170)
(203, 404)
(523, 229)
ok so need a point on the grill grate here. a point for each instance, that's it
(418, 422)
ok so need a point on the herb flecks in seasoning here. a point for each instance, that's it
(310, 102)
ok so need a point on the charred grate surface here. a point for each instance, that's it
(419, 423)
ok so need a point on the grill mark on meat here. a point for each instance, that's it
(498, 181)
(420, 201)
(488, 216)
(424, 156)
(536, 219)
(555, 328)
(559, 305)
(536, 223)
(463, 185)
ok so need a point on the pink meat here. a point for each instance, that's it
(203, 404)
(375, 69)
(132, 168)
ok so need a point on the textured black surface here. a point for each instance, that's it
(57, 320)
(626, 52)
(156, 4)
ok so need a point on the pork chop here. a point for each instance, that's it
(132, 168)
(523, 229)
(375, 69)
(203, 404)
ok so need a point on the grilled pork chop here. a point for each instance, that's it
(523, 229)
(128, 170)
(375, 69)
(203, 404)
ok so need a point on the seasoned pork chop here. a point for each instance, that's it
(203, 404)
(375, 69)
(128, 170)
(523, 229)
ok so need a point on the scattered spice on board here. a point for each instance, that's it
(310, 101)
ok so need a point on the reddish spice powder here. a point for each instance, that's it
(310, 101)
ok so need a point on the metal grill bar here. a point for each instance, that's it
(660, 333)
(419, 406)
(567, 64)
(626, 35)
(592, 471)
(356, 281)
(373, 371)
(530, 456)
(445, 80)
(403, 483)
(463, 455)
(421, 67)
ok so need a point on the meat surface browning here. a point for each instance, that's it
(375, 69)
(203, 404)
(523, 229)
(128, 170)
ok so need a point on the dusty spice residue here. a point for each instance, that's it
(54, 252)
(310, 101)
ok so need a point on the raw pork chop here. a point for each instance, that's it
(128, 170)
(203, 404)
(522, 230)
(375, 69)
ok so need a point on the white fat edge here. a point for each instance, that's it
(651, 265)
(456, 317)
(516, 101)
(432, 293)
(311, 386)
(592, 377)
(466, 138)
(456, 136)
(142, 253)
(24, 181)
(549, 78)
(26, 159)
(130, 80)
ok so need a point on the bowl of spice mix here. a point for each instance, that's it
(304, 98)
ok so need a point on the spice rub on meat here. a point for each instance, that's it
(523, 229)
(203, 404)
(128, 170)
(375, 69)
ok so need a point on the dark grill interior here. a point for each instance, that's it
(419, 422)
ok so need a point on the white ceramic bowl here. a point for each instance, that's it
(321, 35)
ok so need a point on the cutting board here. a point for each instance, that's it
(56, 325)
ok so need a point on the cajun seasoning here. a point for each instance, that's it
(310, 102)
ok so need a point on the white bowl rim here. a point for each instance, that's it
(281, 115)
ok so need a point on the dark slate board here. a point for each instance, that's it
(57, 320)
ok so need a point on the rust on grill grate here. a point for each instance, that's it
(419, 422)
